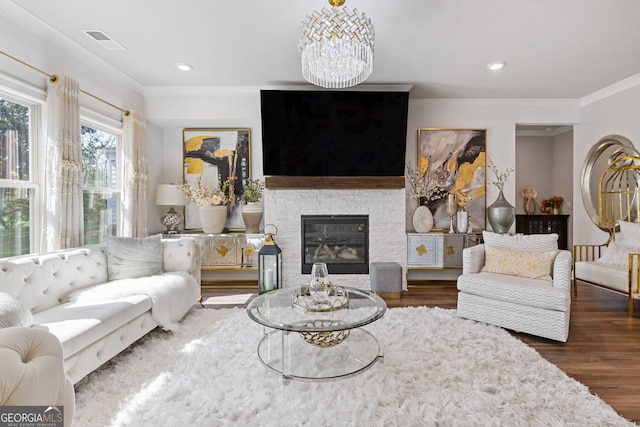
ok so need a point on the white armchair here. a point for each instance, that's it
(32, 371)
(522, 283)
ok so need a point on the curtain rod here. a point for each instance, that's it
(54, 78)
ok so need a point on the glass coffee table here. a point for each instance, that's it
(317, 342)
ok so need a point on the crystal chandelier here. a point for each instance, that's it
(336, 47)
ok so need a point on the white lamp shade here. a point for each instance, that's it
(170, 195)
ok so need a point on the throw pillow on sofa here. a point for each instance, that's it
(131, 257)
(629, 233)
(534, 265)
(522, 242)
(617, 254)
(13, 312)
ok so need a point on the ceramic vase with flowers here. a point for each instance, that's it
(212, 205)
(501, 214)
(252, 209)
(552, 205)
(426, 186)
(462, 216)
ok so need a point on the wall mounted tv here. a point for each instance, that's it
(334, 133)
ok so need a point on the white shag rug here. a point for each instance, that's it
(438, 370)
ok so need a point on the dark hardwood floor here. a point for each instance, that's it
(602, 352)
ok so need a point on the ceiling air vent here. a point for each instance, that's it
(104, 40)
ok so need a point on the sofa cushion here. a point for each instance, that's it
(535, 265)
(517, 290)
(131, 257)
(13, 312)
(607, 275)
(78, 325)
(521, 242)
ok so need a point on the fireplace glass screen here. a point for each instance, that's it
(340, 241)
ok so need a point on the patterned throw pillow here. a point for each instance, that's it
(131, 257)
(534, 265)
(13, 312)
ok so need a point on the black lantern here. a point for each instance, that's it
(269, 264)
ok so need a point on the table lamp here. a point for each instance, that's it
(170, 195)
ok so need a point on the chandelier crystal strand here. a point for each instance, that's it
(336, 48)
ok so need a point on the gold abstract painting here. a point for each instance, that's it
(215, 155)
(456, 158)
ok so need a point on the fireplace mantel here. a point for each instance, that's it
(334, 182)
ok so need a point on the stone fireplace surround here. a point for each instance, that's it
(284, 207)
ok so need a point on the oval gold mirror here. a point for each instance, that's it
(605, 151)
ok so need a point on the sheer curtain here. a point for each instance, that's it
(133, 220)
(63, 218)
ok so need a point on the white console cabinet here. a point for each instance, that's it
(229, 258)
(437, 256)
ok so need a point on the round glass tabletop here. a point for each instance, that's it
(282, 309)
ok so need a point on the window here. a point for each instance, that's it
(101, 190)
(18, 185)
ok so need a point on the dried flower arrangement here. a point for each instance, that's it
(501, 177)
(426, 184)
(462, 200)
(546, 205)
(528, 192)
(203, 196)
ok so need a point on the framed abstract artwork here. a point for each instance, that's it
(456, 160)
(215, 155)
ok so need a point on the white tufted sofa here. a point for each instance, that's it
(539, 307)
(91, 333)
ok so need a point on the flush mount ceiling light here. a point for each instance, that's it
(336, 47)
(495, 66)
(184, 67)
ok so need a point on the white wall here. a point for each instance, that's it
(176, 108)
(545, 162)
(615, 114)
(534, 167)
(49, 56)
(499, 117)
(563, 167)
(169, 110)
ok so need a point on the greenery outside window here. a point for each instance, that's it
(101, 189)
(18, 184)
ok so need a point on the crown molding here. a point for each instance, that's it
(611, 90)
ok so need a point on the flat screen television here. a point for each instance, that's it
(333, 133)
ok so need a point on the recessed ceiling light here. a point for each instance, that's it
(494, 66)
(184, 67)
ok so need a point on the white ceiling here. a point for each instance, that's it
(554, 48)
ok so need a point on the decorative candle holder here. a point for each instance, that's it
(452, 209)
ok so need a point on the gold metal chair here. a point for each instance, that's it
(618, 200)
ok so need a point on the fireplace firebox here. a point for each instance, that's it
(340, 241)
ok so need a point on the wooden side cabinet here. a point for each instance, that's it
(545, 224)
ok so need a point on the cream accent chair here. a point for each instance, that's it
(537, 306)
(32, 371)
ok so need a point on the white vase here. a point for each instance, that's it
(252, 215)
(462, 221)
(422, 220)
(213, 218)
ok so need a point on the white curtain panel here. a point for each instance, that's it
(63, 219)
(133, 220)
